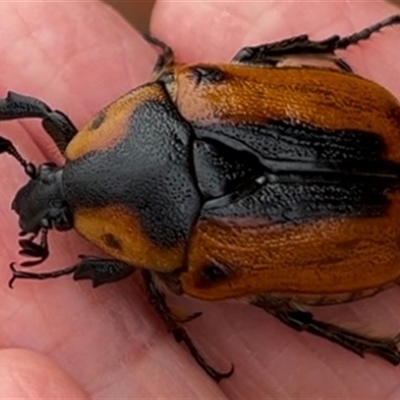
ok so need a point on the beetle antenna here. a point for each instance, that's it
(6, 146)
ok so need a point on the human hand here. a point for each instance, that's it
(108, 342)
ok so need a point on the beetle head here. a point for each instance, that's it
(40, 203)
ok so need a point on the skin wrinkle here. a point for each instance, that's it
(239, 16)
(259, 364)
(26, 366)
(125, 62)
(372, 377)
(121, 38)
(311, 347)
(36, 44)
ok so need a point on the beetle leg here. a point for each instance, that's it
(166, 58)
(158, 301)
(304, 321)
(271, 54)
(56, 124)
(98, 270)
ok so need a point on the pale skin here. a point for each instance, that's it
(108, 342)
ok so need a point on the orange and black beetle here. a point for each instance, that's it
(260, 180)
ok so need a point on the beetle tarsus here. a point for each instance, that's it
(181, 335)
(157, 300)
(355, 342)
(18, 274)
(56, 123)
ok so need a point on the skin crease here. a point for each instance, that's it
(108, 342)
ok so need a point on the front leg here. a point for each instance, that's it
(98, 270)
(55, 123)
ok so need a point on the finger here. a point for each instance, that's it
(27, 374)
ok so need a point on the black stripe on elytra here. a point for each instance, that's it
(309, 173)
(303, 198)
(283, 146)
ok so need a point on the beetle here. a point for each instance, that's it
(260, 180)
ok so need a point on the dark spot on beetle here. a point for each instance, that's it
(98, 120)
(393, 114)
(111, 241)
(207, 74)
(348, 244)
(329, 261)
(213, 273)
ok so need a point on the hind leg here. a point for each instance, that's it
(359, 344)
(270, 54)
